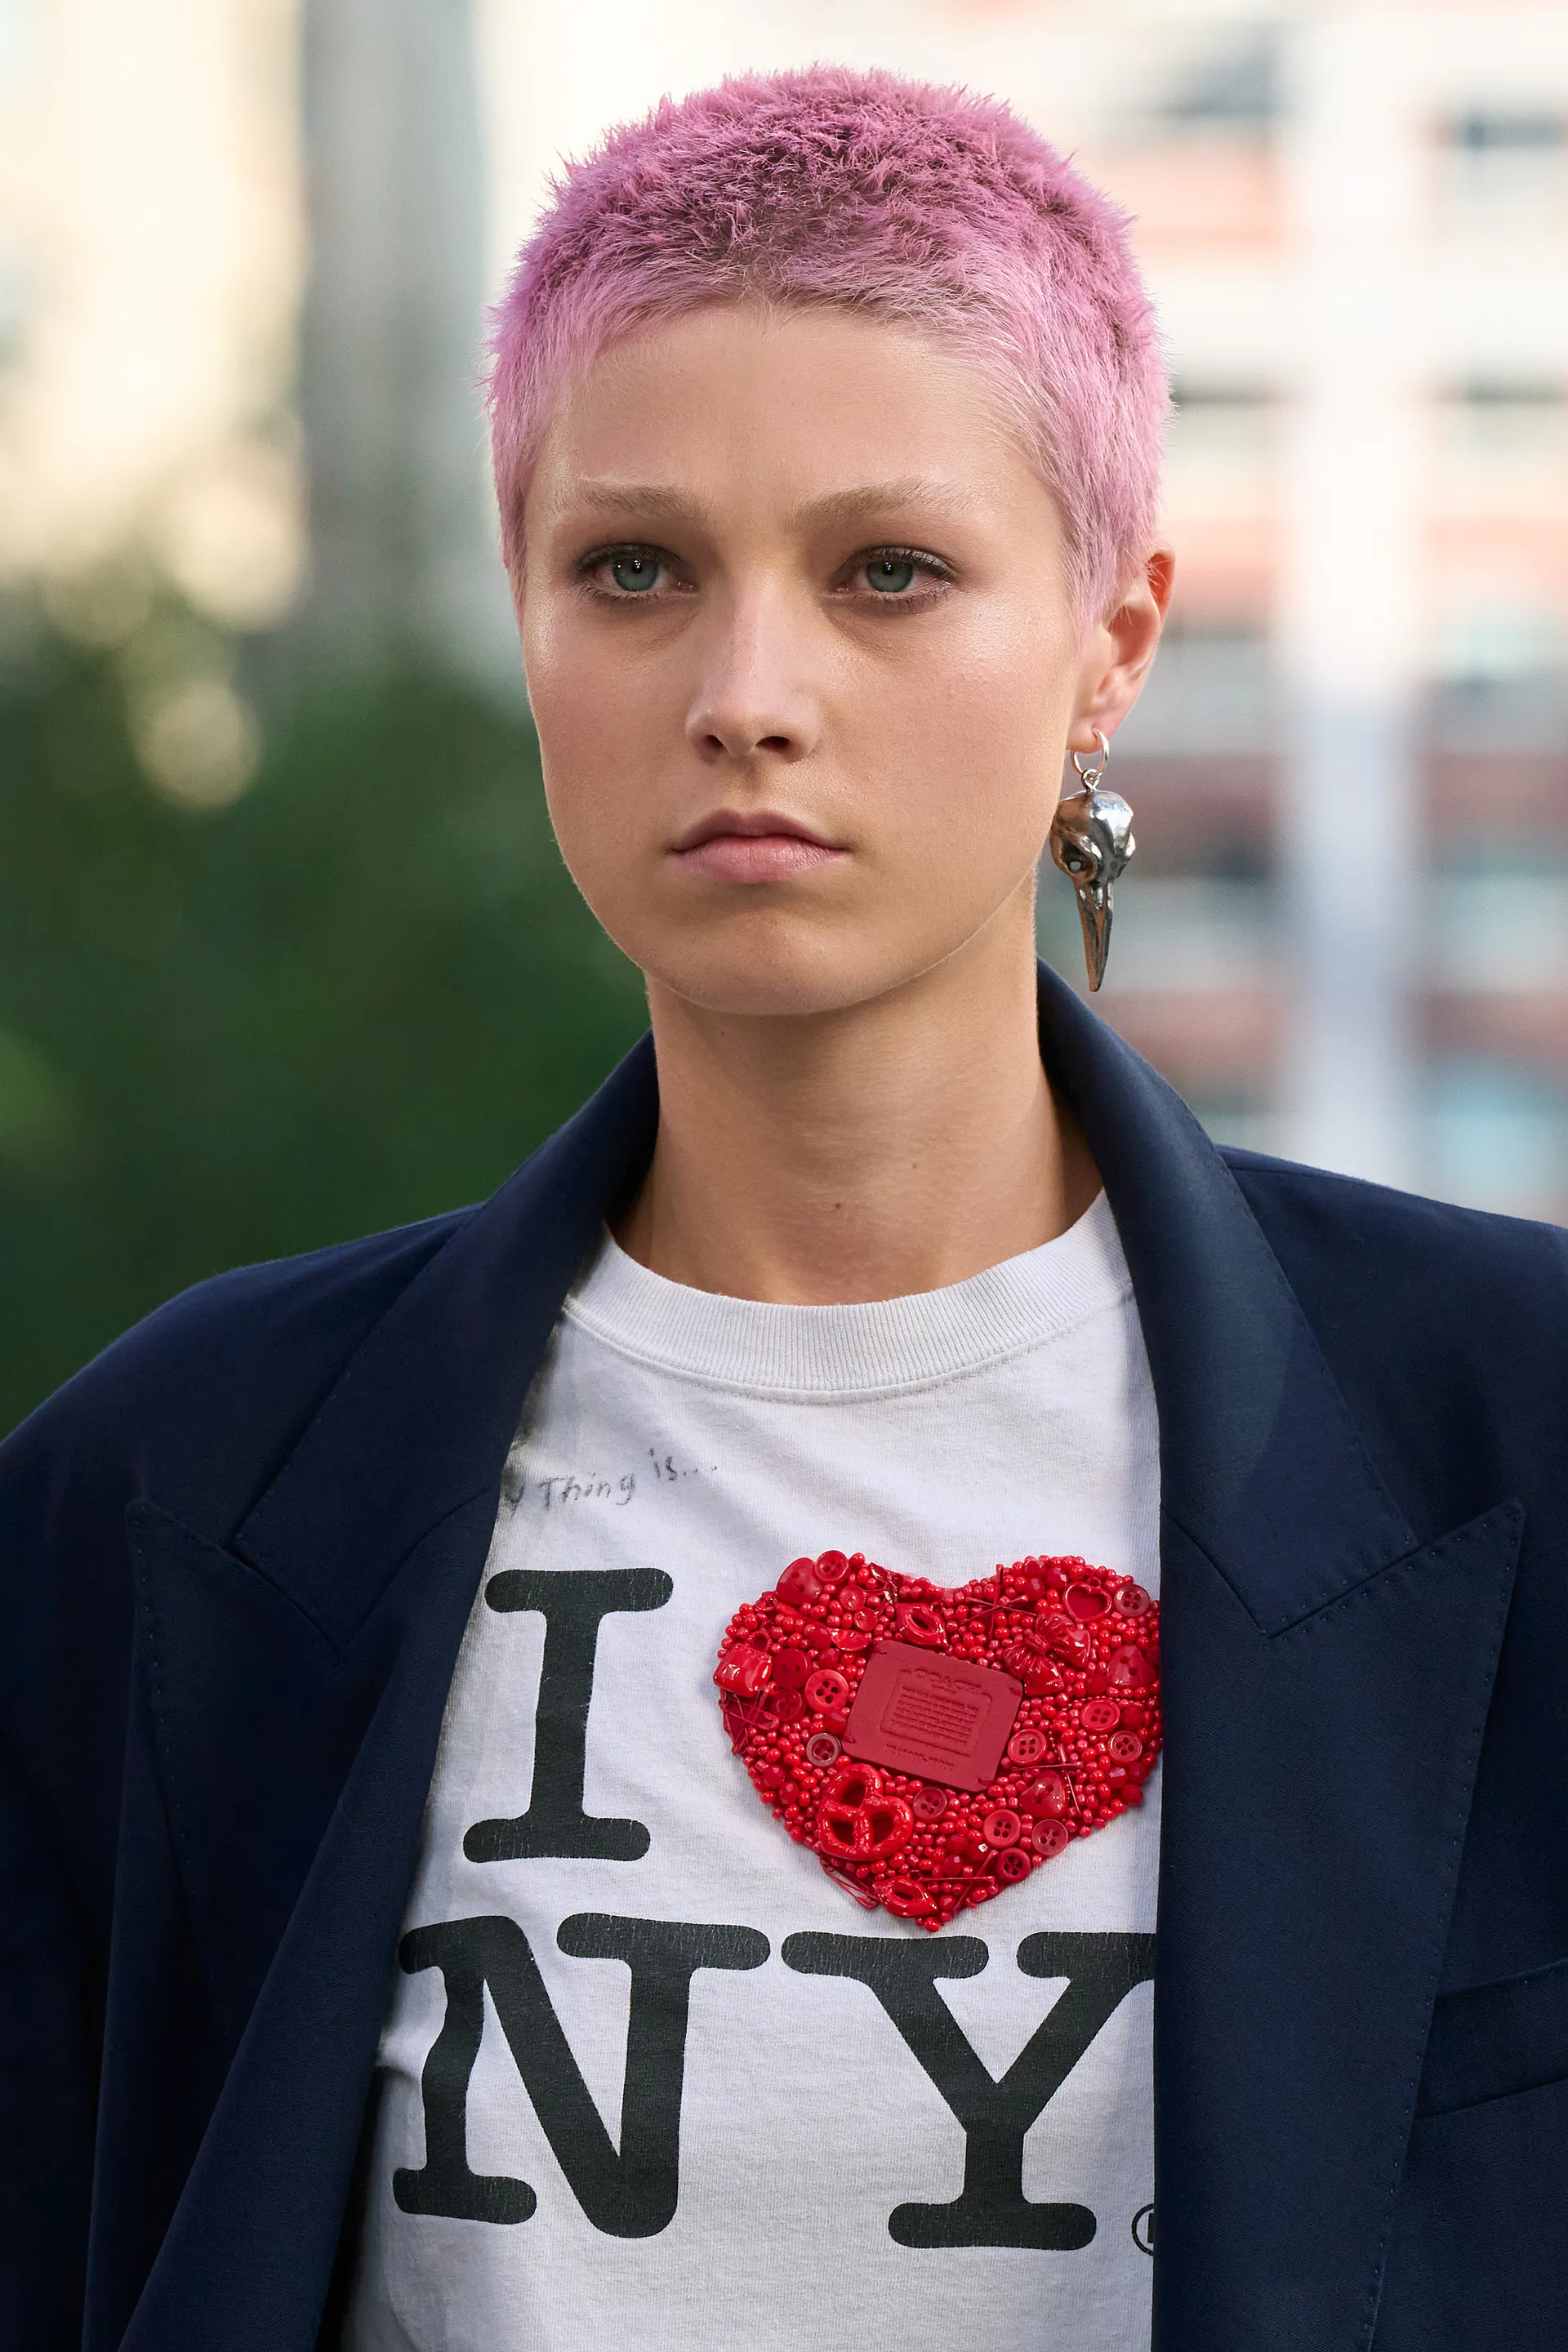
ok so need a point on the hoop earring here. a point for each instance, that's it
(1091, 841)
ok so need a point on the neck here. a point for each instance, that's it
(893, 1147)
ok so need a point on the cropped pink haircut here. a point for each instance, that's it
(933, 209)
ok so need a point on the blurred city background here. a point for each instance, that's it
(286, 951)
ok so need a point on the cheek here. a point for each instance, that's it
(592, 726)
(974, 738)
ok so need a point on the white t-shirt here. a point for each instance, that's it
(650, 2080)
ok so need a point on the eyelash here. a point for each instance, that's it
(930, 567)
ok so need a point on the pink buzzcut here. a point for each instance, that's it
(935, 209)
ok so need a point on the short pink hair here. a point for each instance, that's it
(934, 209)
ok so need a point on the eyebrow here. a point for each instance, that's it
(654, 501)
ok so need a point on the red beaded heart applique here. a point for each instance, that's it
(931, 1746)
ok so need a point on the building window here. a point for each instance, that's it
(1504, 173)
(1498, 431)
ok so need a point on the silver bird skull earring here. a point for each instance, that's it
(1091, 841)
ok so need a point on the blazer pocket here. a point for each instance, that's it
(1496, 2040)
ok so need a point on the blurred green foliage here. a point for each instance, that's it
(359, 994)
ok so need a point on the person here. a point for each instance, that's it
(407, 1945)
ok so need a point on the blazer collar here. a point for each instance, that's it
(1324, 1680)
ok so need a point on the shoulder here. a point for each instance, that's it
(1446, 1327)
(201, 1400)
(1403, 1245)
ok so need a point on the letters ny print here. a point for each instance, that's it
(631, 2190)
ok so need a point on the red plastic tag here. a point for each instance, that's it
(944, 1718)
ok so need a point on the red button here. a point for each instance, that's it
(799, 1583)
(1013, 1867)
(791, 1668)
(1100, 1715)
(832, 1567)
(1026, 1746)
(1001, 1828)
(787, 1705)
(827, 1691)
(1048, 1795)
(1126, 1748)
(1051, 1838)
(1132, 1601)
(1129, 1669)
(929, 1805)
(822, 1749)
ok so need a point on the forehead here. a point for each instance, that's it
(753, 405)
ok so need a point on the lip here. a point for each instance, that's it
(752, 846)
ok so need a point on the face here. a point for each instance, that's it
(802, 658)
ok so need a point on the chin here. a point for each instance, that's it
(789, 979)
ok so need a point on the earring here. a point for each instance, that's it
(1091, 841)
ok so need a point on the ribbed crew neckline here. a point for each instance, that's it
(819, 1353)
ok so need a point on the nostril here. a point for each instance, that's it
(774, 743)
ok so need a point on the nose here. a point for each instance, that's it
(752, 694)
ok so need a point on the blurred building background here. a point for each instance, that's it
(285, 950)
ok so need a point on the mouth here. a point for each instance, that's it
(753, 846)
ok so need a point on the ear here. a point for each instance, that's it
(1118, 652)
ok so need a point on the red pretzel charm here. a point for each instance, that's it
(857, 1821)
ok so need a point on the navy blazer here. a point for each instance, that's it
(239, 1551)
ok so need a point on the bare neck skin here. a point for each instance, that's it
(893, 1147)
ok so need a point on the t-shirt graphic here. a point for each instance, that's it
(648, 2078)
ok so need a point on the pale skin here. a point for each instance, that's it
(805, 672)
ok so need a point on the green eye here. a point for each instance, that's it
(889, 575)
(634, 571)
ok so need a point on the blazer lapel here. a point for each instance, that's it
(296, 1677)
(1326, 1679)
